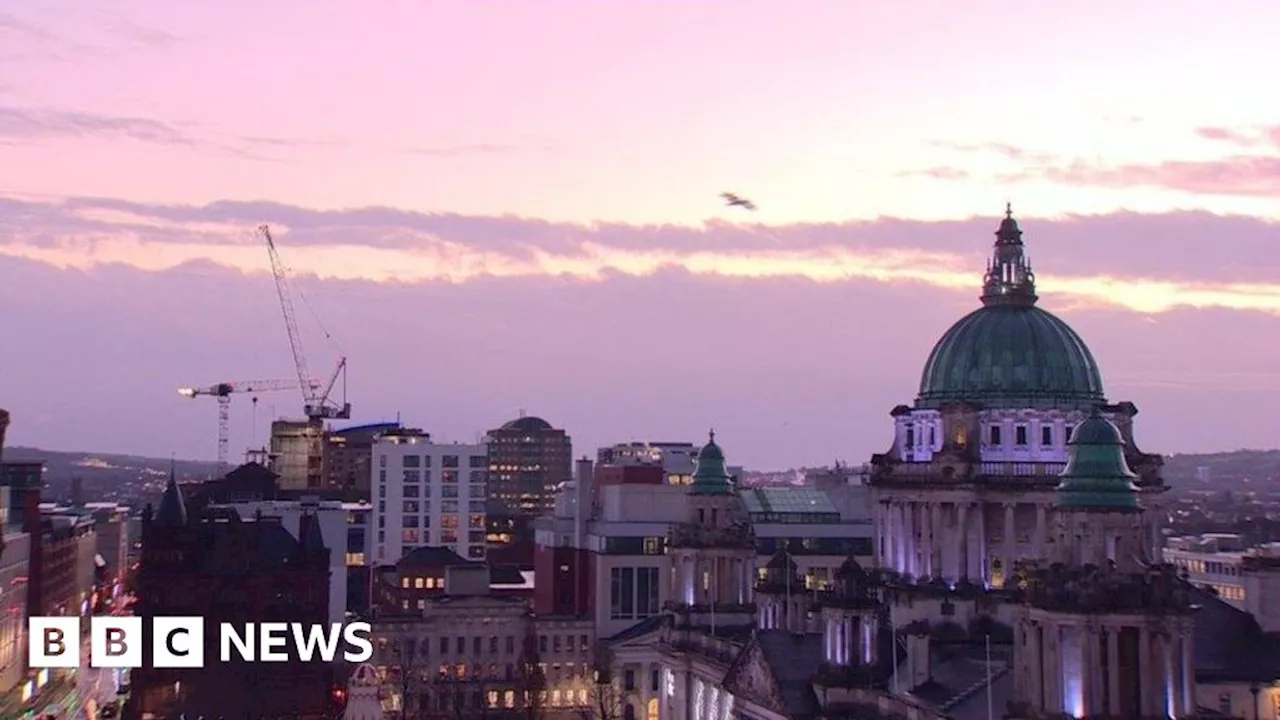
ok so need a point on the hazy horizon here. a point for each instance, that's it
(540, 228)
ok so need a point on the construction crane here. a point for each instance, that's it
(223, 392)
(316, 403)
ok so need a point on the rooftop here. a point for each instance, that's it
(789, 501)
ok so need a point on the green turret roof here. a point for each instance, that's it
(711, 477)
(1097, 476)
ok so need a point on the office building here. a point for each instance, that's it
(428, 495)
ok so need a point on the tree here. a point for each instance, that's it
(533, 682)
(605, 700)
(406, 673)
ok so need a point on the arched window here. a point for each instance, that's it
(629, 712)
(653, 709)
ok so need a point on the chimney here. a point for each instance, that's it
(4, 423)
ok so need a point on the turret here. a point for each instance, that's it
(781, 601)
(1100, 518)
(850, 619)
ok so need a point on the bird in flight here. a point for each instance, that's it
(734, 201)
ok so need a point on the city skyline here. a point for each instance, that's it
(590, 274)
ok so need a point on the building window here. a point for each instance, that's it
(1224, 703)
(911, 436)
(653, 546)
(1046, 435)
(995, 434)
(622, 594)
(410, 537)
(629, 680)
(449, 461)
(1020, 435)
(478, 461)
(411, 461)
(409, 521)
(411, 507)
(646, 592)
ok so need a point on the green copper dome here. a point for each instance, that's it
(1010, 353)
(1097, 476)
(711, 477)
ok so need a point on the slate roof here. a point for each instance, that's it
(433, 557)
(1230, 645)
(794, 660)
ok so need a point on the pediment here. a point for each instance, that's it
(641, 635)
(751, 677)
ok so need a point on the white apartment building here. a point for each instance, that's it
(428, 494)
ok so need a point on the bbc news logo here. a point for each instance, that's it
(178, 642)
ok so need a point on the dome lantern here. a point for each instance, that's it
(1009, 279)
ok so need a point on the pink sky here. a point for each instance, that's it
(529, 122)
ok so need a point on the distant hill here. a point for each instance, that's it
(1225, 469)
(96, 468)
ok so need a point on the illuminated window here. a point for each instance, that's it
(404, 582)
(652, 712)
(418, 583)
(509, 698)
(555, 698)
(493, 698)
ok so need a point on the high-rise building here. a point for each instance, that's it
(348, 456)
(427, 494)
(528, 460)
(297, 453)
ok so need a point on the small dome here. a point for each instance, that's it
(528, 423)
(1097, 475)
(710, 476)
(850, 569)
(781, 560)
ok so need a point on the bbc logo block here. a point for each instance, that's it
(179, 642)
(116, 642)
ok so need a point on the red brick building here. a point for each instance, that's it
(228, 570)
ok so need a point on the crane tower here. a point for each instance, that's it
(222, 392)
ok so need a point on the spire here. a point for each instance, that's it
(173, 509)
(1009, 279)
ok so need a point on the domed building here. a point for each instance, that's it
(967, 488)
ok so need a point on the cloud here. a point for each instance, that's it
(1143, 263)
(1010, 152)
(17, 26)
(1238, 175)
(1257, 136)
(32, 123)
(788, 370)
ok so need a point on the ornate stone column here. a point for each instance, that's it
(1042, 530)
(935, 547)
(1008, 552)
(1145, 658)
(1113, 669)
(962, 544)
